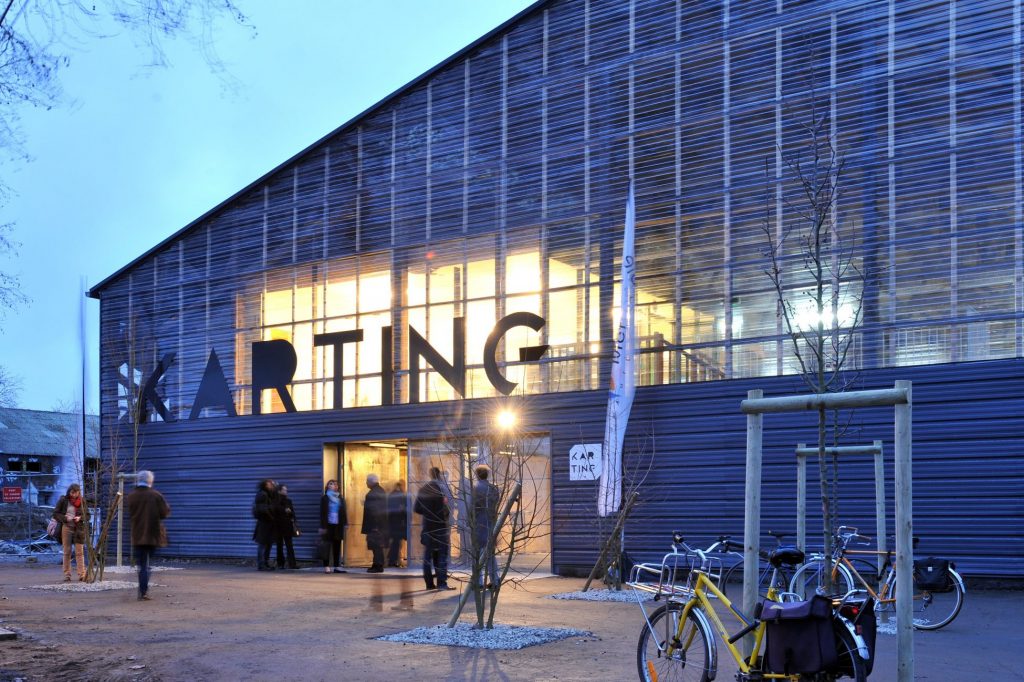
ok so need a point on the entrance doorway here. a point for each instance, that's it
(351, 464)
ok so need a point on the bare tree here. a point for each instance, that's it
(39, 37)
(505, 526)
(609, 565)
(10, 388)
(813, 267)
(11, 296)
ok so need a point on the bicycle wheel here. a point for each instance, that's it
(692, 658)
(933, 610)
(849, 664)
(810, 577)
(732, 580)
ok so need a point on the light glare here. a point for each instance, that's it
(506, 419)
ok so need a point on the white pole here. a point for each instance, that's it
(120, 516)
(904, 533)
(752, 512)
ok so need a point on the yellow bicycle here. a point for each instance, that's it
(677, 641)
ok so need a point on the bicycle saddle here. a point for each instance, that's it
(787, 555)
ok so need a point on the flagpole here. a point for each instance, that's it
(622, 384)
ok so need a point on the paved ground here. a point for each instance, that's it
(214, 622)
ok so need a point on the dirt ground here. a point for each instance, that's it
(215, 622)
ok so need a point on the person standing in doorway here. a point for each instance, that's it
(485, 511)
(432, 504)
(333, 520)
(69, 514)
(285, 520)
(375, 522)
(147, 510)
(398, 518)
(266, 524)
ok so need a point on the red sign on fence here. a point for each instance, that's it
(12, 494)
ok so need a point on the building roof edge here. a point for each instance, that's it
(94, 292)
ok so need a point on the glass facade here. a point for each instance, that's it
(497, 184)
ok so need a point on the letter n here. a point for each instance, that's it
(454, 373)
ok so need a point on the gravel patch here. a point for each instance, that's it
(887, 628)
(102, 586)
(628, 596)
(501, 637)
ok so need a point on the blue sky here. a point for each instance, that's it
(133, 154)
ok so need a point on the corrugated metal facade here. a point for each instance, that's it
(515, 153)
(968, 478)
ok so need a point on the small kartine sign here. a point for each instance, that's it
(585, 462)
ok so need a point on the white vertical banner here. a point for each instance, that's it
(623, 379)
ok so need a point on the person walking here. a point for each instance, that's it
(432, 504)
(375, 522)
(333, 520)
(266, 524)
(69, 514)
(147, 510)
(485, 511)
(286, 529)
(398, 519)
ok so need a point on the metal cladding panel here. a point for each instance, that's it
(689, 440)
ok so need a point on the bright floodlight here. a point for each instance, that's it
(506, 419)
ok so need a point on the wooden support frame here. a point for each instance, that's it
(875, 449)
(901, 398)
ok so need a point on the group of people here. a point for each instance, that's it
(384, 523)
(432, 503)
(275, 525)
(385, 517)
(146, 508)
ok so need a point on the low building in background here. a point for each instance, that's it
(41, 454)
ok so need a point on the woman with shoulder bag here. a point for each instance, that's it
(70, 515)
(333, 520)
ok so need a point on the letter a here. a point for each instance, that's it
(213, 390)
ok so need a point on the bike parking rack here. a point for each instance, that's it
(901, 398)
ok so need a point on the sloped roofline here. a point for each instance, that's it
(94, 292)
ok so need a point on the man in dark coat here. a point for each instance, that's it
(146, 511)
(263, 510)
(375, 522)
(432, 504)
(398, 518)
(485, 510)
(284, 520)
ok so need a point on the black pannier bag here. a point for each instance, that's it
(932, 574)
(799, 636)
(861, 613)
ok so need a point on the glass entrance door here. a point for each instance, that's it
(388, 461)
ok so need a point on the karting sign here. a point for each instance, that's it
(12, 493)
(585, 462)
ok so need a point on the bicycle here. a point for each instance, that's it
(933, 609)
(677, 641)
(767, 575)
